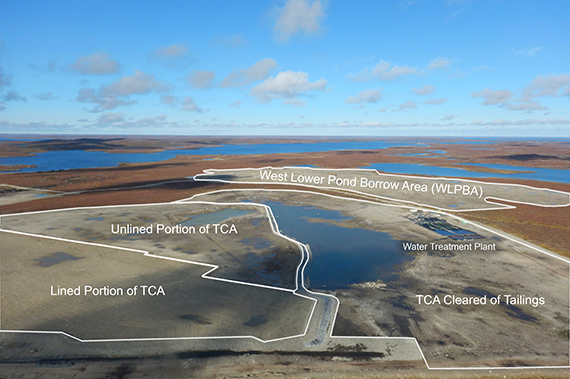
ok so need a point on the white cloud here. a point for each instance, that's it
(111, 117)
(234, 40)
(11, 126)
(298, 16)
(171, 52)
(258, 71)
(435, 101)
(88, 95)
(503, 122)
(374, 124)
(367, 96)
(188, 104)
(448, 117)
(118, 121)
(118, 93)
(236, 104)
(202, 79)
(14, 96)
(294, 102)
(2, 106)
(439, 62)
(286, 84)
(170, 55)
(168, 99)
(404, 106)
(541, 86)
(99, 63)
(547, 85)
(383, 71)
(382, 110)
(527, 106)
(137, 84)
(530, 52)
(44, 96)
(423, 91)
(493, 97)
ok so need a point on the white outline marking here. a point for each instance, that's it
(204, 177)
(272, 223)
(402, 338)
(303, 248)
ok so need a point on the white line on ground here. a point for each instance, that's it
(275, 230)
(407, 207)
(204, 177)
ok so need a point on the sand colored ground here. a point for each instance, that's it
(191, 307)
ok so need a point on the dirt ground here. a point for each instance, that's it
(251, 253)
(256, 366)
(191, 306)
(455, 334)
(548, 228)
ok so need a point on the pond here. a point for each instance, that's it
(340, 256)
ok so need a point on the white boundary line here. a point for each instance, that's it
(301, 266)
(213, 267)
(401, 338)
(204, 177)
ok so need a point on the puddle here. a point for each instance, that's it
(255, 321)
(55, 258)
(257, 242)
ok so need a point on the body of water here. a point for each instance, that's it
(214, 217)
(75, 159)
(544, 174)
(369, 255)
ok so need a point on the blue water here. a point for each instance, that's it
(19, 139)
(340, 256)
(408, 155)
(214, 217)
(438, 151)
(544, 174)
(75, 159)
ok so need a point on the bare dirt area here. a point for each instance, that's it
(35, 270)
(257, 366)
(443, 193)
(454, 335)
(242, 244)
(449, 334)
(15, 194)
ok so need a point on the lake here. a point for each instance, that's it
(544, 174)
(75, 159)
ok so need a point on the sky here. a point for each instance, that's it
(286, 67)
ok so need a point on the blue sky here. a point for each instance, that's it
(286, 67)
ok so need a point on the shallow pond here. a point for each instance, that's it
(340, 256)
